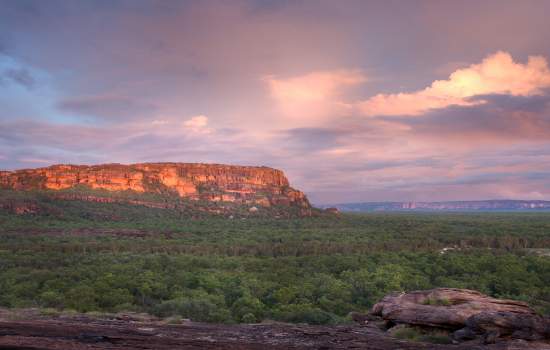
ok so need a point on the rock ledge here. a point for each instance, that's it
(466, 314)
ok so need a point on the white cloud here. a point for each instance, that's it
(496, 74)
(197, 124)
(313, 87)
(309, 97)
(35, 160)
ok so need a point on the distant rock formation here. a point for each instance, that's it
(259, 186)
(331, 210)
(484, 205)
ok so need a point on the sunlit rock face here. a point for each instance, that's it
(211, 182)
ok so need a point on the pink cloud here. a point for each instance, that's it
(35, 160)
(197, 124)
(496, 74)
(311, 96)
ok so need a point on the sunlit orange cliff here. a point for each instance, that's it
(260, 186)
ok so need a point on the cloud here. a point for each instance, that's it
(374, 162)
(496, 74)
(26, 141)
(314, 94)
(36, 160)
(20, 76)
(17, 73)
(199, 121)
(107, 106)
(132, 87)
(313, 87)
(311, 139)
(499, 120)
(197, 124)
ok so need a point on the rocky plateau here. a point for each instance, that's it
(216, 183)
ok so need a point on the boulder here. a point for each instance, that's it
(509, 324)
(443, 307)
(469, 314)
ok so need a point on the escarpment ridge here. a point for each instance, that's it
(251, 185)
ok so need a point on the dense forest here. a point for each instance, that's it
(114, 257)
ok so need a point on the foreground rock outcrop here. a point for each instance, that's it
(27, 329)
(36, 331)
(467, 315)
(260, 186)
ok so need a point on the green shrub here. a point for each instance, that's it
(249, 318)
(421, 335)
(49, 312)
(51, 299)
(408, 333)
(173, 320)
(246, 306)
(436, 339)
(82, 298)
(437, 302)
(196, 309)
(304, 313)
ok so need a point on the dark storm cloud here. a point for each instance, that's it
(496, 118)
(311, 139)
(535, 103)
(378, 165)
(27, 133)
(20, 76)
(108, 107)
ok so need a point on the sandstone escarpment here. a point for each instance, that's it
(261, 186)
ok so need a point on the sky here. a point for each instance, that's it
(355, 100)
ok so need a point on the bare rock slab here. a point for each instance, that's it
(467, 313)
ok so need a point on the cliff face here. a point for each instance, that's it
(211, 182)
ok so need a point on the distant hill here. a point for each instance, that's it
(216, 188)
(482, 205)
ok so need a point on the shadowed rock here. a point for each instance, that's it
(509, 324)
(468, 313)
(81, 332)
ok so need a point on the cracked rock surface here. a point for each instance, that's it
(33, 331)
